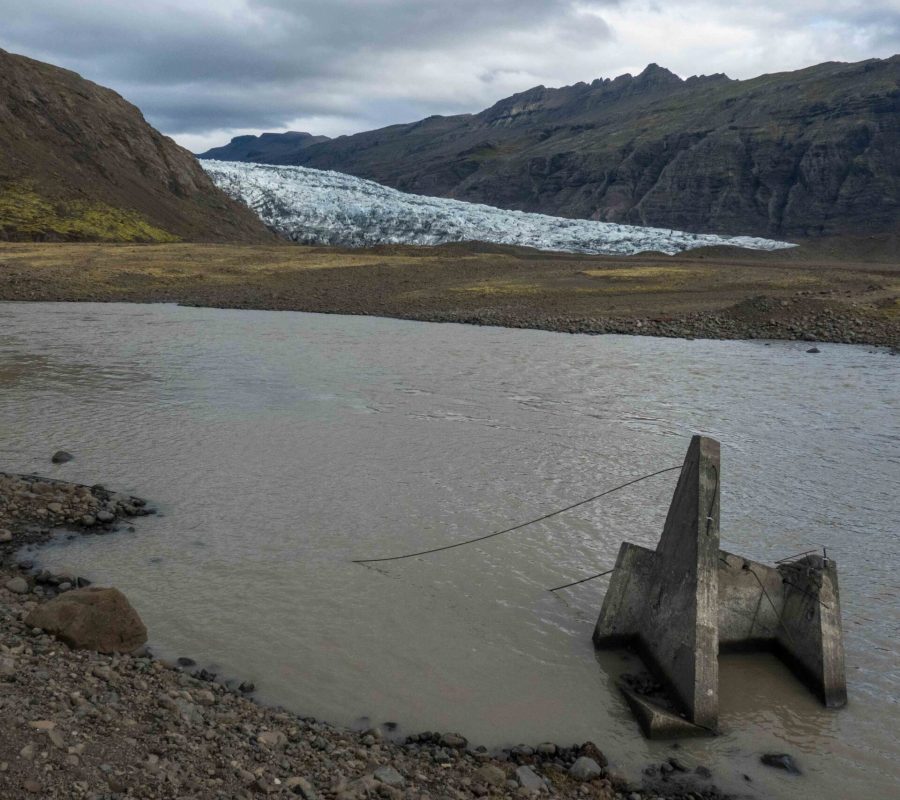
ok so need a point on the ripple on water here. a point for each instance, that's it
(253, 432)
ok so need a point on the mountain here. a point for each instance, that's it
(318, 207)
(793, 154)
(79, 162)
(263, 148)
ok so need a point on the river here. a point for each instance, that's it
(278, 446)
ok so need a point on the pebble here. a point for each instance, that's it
(585, 769)
(781, 761)
(388, 775)
(18, 585)
(490, 774)
(529, 779)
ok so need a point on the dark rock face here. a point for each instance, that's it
(263, 148)
(806, 153)
(66, 142)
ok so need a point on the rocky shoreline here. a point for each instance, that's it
(798, 319)
(82, 724)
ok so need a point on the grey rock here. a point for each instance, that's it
(454, 740)
(490, 774)
(585, 769)
(302, 787)
(61, 457)
(781, 761)
(17, 585)
(529, 779)
(388, 775)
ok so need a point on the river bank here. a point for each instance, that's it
(82, 724)
(808, 294)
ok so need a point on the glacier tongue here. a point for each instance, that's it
(313, 206)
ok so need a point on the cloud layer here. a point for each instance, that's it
(205, 70)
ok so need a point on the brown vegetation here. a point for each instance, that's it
(821, 295)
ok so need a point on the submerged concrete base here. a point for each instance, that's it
(683, 602)
(657, 722)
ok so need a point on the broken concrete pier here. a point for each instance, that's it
(687, 600)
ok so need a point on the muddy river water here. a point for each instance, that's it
(278, 446)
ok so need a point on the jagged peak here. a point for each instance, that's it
(657, 74)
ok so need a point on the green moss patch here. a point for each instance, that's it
(26, 215)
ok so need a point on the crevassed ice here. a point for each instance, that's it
(314, 206)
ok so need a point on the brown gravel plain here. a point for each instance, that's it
(826, 291)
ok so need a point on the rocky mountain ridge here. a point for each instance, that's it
(78, 162)
(814, 152)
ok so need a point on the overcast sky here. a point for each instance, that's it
(206, 70)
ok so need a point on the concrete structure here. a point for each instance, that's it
(685, 601)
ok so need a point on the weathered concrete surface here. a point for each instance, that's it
(810, 638)
(658, 723)
(668, 599)
(687, 600)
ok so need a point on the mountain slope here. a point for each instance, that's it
(318, 207)
(806, 153)
(79, 162)
(264, 148)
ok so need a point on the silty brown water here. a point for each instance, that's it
(280, 445)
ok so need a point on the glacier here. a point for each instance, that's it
(312, 206)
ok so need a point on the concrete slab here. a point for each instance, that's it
(657, 722)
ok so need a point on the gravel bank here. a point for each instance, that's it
(78, 724)
(718, 293)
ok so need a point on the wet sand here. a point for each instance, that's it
(822, 292)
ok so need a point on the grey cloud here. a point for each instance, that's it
(218, 65)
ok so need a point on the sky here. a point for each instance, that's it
(203, 71)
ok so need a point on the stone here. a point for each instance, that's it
(300, 786)
(61, 457)
(17, 585)
(105, 516)
(389, 776)
(585, 769)
(91, 619)
(781, 761)
(591, 750)
(272, 739)
(490, 774)
(5, 535)
(454, 740)
(546, 749)
(529, 779)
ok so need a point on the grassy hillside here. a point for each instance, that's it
(78, 162)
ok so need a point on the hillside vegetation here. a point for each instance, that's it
(77, 162)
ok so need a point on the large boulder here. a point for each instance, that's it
(92, 619)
